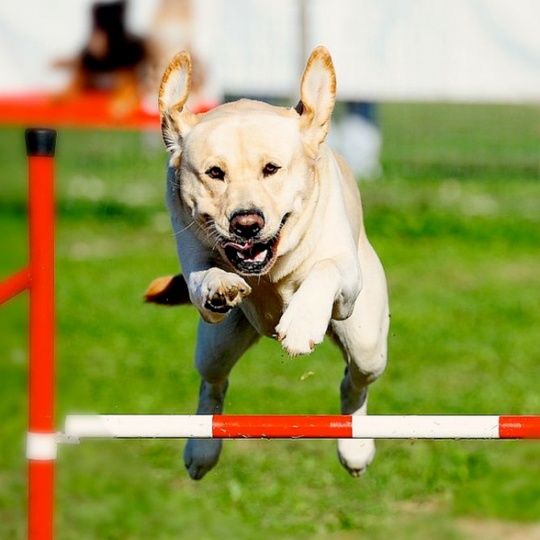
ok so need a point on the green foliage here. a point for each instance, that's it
(456, 223)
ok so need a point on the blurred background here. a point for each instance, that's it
(470, 51)
(439, 115)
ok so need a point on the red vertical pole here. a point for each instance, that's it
(41, 445)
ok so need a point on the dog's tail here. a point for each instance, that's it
(168, 291)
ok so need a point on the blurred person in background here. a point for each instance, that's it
(110, 61)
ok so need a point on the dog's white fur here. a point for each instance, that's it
(320, 276)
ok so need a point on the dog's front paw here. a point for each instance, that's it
(220, 293)
(299, 331)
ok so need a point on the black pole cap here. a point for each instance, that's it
(40, 142)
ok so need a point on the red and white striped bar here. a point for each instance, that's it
(300, 427)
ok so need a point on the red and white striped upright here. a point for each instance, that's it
(41, 443)
(38, 279)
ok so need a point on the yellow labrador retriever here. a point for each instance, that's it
(269, 230)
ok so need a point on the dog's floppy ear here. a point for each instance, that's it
(317, 98)
(176, 119)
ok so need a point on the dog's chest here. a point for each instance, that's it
(266, 304)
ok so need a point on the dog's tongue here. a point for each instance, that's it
(239, 247)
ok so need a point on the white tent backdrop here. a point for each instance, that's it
(458, 50)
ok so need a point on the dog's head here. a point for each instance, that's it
(244, 170)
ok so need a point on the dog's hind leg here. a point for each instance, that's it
(219, 347)
(362, 339)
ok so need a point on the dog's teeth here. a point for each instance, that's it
(240, 255)
(260, 256)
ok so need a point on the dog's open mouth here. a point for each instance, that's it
(252, 257)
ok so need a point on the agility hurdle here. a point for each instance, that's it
(43, 439)
(119, 426)
(38, 279)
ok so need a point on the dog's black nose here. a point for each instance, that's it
(246, 224)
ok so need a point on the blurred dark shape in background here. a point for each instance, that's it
(112, 60)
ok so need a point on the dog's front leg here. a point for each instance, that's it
(329, 291)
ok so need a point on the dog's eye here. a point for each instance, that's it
(270, 169)
(216, 173)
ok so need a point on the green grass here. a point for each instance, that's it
(456, 223)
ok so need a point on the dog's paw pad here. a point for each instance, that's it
(226, 295)
(222, 301)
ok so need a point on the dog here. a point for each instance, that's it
(270, 236)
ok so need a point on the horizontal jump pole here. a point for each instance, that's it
(120, 426)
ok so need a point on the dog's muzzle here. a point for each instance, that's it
(252, 256)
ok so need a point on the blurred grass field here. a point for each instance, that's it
(456, 222)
